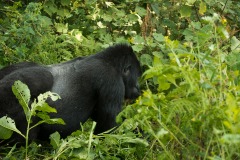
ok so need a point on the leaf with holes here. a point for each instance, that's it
(7, 126)
(22, 93)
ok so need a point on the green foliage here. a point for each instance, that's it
(191, 106)
(84, 145)
(189, 51)
(7, 126)
(22, 93)
(31, 36)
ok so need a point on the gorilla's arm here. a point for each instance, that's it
(109, 103)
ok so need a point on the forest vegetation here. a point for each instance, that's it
(189, 52)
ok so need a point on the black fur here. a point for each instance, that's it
(7, 70)
(93, 86)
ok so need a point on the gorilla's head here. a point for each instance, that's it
(131, 71)
(123, 59)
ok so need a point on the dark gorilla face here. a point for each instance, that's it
(131, 73)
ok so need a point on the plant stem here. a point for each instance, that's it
(27, 134)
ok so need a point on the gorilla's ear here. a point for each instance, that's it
(126, 70)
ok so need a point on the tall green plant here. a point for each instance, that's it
(38, 108)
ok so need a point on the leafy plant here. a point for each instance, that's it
(189, 96)
(78, 145)
(38, 108)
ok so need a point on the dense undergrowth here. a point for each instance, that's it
(189, 51)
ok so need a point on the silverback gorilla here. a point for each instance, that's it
(90, 87)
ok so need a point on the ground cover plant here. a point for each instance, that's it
(189, 51)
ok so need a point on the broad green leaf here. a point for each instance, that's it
(158, 54)
(156, 61)
(46, 108)
(169, 23)
(185, 11)
(191, 2)
(146, 59)
(152, 72)
(107, 18)
(196, 25)
(189, 34)
(55, 140)
(120, 13)
(141, 11)
(173, 44)
(171, 78)
(7, 126)
(65, 2)
(22, 93)
(158, 37)
(235, 43)
(64, 13)
(30, 30)
(139, 40)
(138, 47)
(5, 133)
(46, 21)
(163, 85)
(43, 115)
(131, 18)
(61, 28)
(202, 8)
(156, 8)
(50, 8)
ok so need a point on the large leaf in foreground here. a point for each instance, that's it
(7, 126)
(22, 93)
